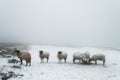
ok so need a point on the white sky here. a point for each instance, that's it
(61, 22)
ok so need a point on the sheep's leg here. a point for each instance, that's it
(65, 60)
(89, 61)
(103, 62)
(26, 63)
(47, 60)
(80, 61)
(21, 61)
(73, 60)
(30, 63)
(95, 61)
(59, 61)
(42, 60)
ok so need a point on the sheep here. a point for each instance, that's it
(87, 56)
(61, 55)
(43, 55)
(24, 56)
(79, 56)
(98, 57)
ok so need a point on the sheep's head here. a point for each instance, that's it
(41, 52)
(17, 52)
(59, 52)
(84, 58)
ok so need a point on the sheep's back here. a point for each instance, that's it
(98, 57)
(77, 55)
(61, 56)
(26, 56)
(44, 55)
(65, 55)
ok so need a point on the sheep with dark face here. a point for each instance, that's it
(61, 55)
(43, 55)
(96, 57)
(24, 56)
(79, 56)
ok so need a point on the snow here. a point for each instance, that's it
(69, 71)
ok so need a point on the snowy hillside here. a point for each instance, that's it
(69, 71)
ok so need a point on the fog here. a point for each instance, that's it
(61, 22)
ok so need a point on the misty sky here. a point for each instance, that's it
(61, 22)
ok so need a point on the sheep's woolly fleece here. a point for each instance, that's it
(69, 71)
(61, 56)
(44, 55)
(78, 56)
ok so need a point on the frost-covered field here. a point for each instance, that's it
(69, 71)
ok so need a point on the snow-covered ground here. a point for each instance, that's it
(69, 71)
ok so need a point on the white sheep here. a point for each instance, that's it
(43, 55)
(98, 57)
(87, 56)
(79, 56)
(61, 55)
